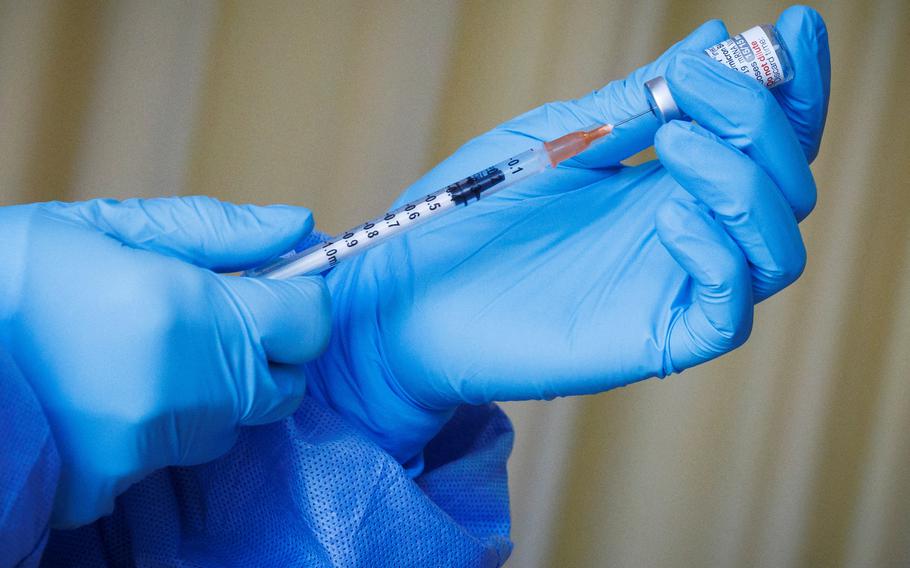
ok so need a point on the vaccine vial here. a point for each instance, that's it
(758, 52)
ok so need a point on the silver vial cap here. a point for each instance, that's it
(662, 104)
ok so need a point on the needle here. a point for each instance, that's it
(631, 118)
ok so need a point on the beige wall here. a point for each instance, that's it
(794, 450)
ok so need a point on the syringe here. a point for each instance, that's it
(484, 183)
(758, 52)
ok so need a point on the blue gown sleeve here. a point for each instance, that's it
(312, 491)
(29, 467)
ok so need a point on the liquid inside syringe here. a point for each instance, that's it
(497, 177)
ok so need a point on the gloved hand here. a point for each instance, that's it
(594, 275)
(141, 355)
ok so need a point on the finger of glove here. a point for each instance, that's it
(201, 230)
(744, 113)
(290, 318)
(743, 198)
(805, 98)
(616, 101)
(285, 323)
(719, 318)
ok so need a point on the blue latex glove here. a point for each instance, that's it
(594, 275)
(139, 353)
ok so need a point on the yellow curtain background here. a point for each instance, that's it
(792, 451)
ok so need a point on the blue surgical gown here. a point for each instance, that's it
(307, 491)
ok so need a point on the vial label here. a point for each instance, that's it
(751, 52)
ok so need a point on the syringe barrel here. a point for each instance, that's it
(356, 240)
(759, 52)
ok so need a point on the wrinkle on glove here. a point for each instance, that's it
(311, 491)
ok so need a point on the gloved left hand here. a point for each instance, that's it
(141, 355)
(596, 274)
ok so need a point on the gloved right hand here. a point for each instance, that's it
(141, 355)
(596, 274)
